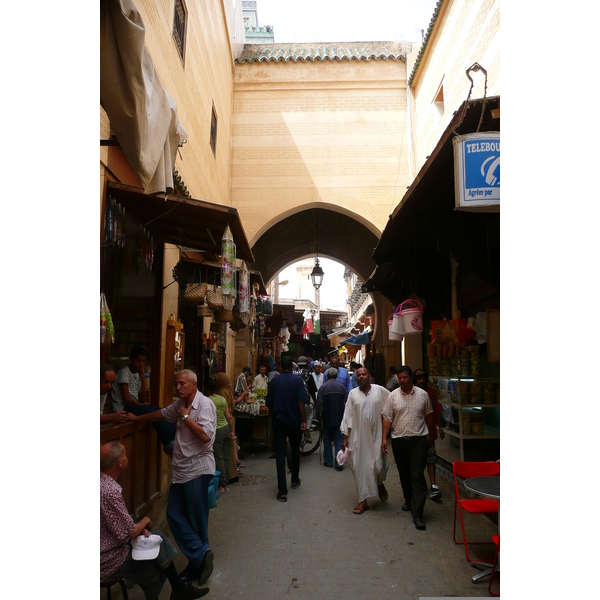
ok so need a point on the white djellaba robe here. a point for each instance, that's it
(362, 418)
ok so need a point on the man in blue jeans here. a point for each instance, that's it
(331, 402)
(193, 468)
(285, 400)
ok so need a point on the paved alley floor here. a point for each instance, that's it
(314, 547)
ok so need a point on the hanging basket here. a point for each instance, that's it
(397, 322)
(195, 292)
(393, 336)
(214, 298)
(412, 316)
(223, 315)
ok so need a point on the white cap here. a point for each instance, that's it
(146, 548)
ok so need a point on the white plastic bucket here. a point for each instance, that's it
(398, 337)
(398, 323)
(412, 316)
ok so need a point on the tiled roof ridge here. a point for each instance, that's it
(436, 13)
(322, 51)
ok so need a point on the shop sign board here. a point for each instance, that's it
(477, 170)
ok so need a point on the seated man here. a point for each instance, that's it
(261, 381)
(118, 532)
(107, 378)
(129, 394)
(241, 390)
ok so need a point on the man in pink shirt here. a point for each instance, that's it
(119, 532)
(193, 465)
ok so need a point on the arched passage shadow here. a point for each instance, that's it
(340, 237)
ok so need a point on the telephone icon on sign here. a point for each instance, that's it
(490, 176)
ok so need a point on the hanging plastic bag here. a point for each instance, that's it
(107, 329)
(342, 456)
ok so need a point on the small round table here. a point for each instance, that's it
(490, 488)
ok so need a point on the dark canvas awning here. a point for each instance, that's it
(424, 229)
(183, 221)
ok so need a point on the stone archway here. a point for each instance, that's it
(340, 237)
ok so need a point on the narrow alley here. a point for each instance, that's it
(314, 547)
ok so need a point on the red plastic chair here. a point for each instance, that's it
(496, 540)
(465, 470)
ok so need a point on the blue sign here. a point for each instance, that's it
(477, 170)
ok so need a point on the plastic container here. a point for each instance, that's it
(398, 337)
(412, 316)
(398, 324)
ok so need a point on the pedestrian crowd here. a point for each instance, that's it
(198, 432)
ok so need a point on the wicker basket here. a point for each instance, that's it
(237, 322)
(195, 292)
(214, 298)
(222, 315)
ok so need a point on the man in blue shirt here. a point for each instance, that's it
(343, 376)
(285, 400)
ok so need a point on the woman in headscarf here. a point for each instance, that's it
(225, 389)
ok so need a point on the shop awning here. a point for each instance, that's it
(412, 253)
(358, 340)
(183, 221)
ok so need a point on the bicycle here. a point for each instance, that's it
(307, 447)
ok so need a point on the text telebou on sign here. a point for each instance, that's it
(477, 170)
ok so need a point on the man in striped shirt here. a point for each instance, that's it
(407, 411)
(119, 532)
(193, 464)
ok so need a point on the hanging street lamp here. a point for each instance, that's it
(317, 273)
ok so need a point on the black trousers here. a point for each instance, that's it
(410, 455)
(282, 431)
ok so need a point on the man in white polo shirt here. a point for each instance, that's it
(193, 468)
(407, 411)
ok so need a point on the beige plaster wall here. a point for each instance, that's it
(205, 78)
(466, 31)
(318, 134)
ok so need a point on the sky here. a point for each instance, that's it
(333, 288)
(346, 21)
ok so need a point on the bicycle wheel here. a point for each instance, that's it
(316, 434)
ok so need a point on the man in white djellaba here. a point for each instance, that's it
(362, 432)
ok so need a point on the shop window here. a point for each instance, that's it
(213, 130)
(438, 100)
(179, 27)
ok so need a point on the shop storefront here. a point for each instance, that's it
(446, 258)
(144, 281)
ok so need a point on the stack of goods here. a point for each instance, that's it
(463, 391)
(466, 422)
(474, 350)
(465, 363)
(477, 422)
(488, 393)
(476, 392)
(441, 357)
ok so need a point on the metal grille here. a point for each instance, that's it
(179, 25)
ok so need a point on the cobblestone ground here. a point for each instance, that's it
(314, 547)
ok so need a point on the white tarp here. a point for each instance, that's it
(141, 112)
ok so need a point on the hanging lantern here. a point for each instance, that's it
(317, 275)
(228, 268)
